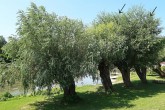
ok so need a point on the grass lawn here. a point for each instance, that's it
(139, 97)
(20, 103)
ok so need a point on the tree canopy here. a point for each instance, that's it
(52, 49)
(142, 39)
(49, 50)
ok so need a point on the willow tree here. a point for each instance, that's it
(52, 50)
(142, 38)
(107, 45)
(10, 71)
(141, 31)
(156, 67)
(122, 61)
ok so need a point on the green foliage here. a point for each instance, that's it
(5, 96)
(54, 50)
(9, 74)
(106, 42)
(2, 41)
(163, 68)
(4, 76)
(142, 32)
(142, 40)
(49, 49)
(161, 55)
(11, 48)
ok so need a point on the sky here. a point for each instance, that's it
(85, 10)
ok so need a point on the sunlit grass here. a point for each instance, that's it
(139, 97)
(20, 103)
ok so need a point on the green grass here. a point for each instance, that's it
(139, 97)
(20, 103)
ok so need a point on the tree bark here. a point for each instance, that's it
(70, 94)
(125, 71)
(69, 90)
(105, 76)
(141, 72)
(159, 71)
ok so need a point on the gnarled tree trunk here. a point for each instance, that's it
(159, 71)
(70, 94)
(69, 90)
(105, 76)
(125, 71)
(141, 72)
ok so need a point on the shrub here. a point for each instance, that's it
(5, 96)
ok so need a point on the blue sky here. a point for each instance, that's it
(85, 10)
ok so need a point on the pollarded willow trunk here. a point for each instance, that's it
(126, 76)
(141, 72)
(69, 88)
(105, 76)
(125, 71)
(159, 71)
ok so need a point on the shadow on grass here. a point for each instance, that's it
(152, 75)
(99, 100)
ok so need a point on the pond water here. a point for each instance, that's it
(89, 81)
(84, 81)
